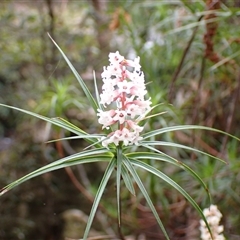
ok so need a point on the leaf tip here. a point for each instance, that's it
(3, 191)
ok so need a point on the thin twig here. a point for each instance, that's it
(119, 224)
(198, 100)
(232, 112)
(103, 237)
(51, 29)
(198, 95)
(176, 73)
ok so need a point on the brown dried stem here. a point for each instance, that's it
(176, 73)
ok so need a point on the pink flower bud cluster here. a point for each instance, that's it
(123, 92)
(213, 216)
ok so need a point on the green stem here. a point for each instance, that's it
(118, 180)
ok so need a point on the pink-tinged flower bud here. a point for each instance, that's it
(106, 118)
(115, 58)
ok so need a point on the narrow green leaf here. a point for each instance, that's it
(192, 25)
(96, 91)
(80, 80)
(95, 155)
(63, 122)
(167, 179)
(88, 136)
(128, 180)
(55, 121)
(118, 182)
(171, 144)
(96, 143)
(224, 61)
(151, 155)
(184, 127)
(154, 115)
(166, 158)
(132, 170)
(101, 188)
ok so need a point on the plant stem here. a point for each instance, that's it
(118, 180)
(233, 110)
(176, 73)
(119, 224)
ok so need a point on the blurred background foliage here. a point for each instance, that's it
(190, 56)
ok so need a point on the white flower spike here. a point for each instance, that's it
(213, 216)
(123, 92)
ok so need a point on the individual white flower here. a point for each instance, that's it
(106, 74)
(137, 77)
(115, 58)
(124, 86)
(123, 135)
(115, 138)
(135, 63)
(145, 105)
(106, 141)
(114, 71)
(108, 86)
(120, 116)
(135, 127)
(133, 110)
(106, 98)
(139, 92)
(106, 118)
(136, 138)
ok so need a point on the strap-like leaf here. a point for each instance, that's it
(99, 194)
(96, 91)
(167, 179)
(151, 155)
(184, 127)
(132, 170)
(97, 136)
(55, 121)
(80, 80)
(166, 158)
(95, 155)
(60, 122)
(128, 180)
(177, 145)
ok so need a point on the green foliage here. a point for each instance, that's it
(158, 32)
(117, 159)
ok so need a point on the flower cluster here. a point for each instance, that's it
(123, 92)
(213, 216)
